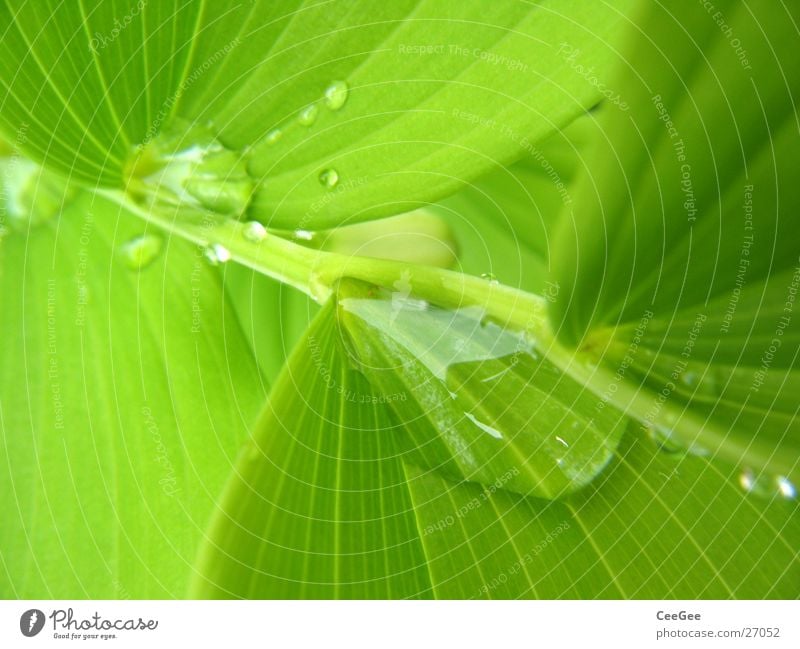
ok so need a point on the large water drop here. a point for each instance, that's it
(336, 95)
(140, 252)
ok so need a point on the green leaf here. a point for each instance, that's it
(526, 199)
(85, 82)
(422, 94)
(329, 500)
(124, 396)
(681, 266)
(272, 316)
(655, 526)
(317, 506)
(504, 222)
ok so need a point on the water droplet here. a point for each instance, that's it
(665, 441)
(562, 441)
(786, 488)
(254, 231)
(186, 165)
(490, 277)
(757, 485)
(216, 254)
(329, 178)
(305, 235)
(336, 95)
(274, 135)
(308, 115)
(690, 380)
(140, 252)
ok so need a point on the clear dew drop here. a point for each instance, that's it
(216, 254)
(786, 488)
(274, 135)
(329, 178)
(336, 95)
(701, 384)
(308, 115)
(303, 235)
(140, 252)
(490, 277)
(664, 441)
(254, 231)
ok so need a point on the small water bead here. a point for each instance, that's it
(490, 277)
(704, 383)
(274, 135)
(329, 178)
(253, 231)
(216, 254)
(304, 235)
(336, 95)
(786, 488)
(140, 252)
(308, 115)
(664, 440)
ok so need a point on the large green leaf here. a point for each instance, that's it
(124, 396)
(330, 500)
(682, 265)
(273, 316)
(526, 199)
(318, 505)
(434, 92)
(655, 526)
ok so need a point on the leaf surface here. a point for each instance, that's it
(681, 266)
(120, 407)
(428, 93)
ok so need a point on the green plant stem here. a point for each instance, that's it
(316, 273)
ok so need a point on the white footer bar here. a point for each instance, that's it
(386, 625)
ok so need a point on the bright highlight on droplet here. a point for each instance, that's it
(140, 252)
(217, 254)
(329, 178)
(305, 235)
(785, 487)
(308, 115)
(336, 95)
(274, 135)
(254, 231)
